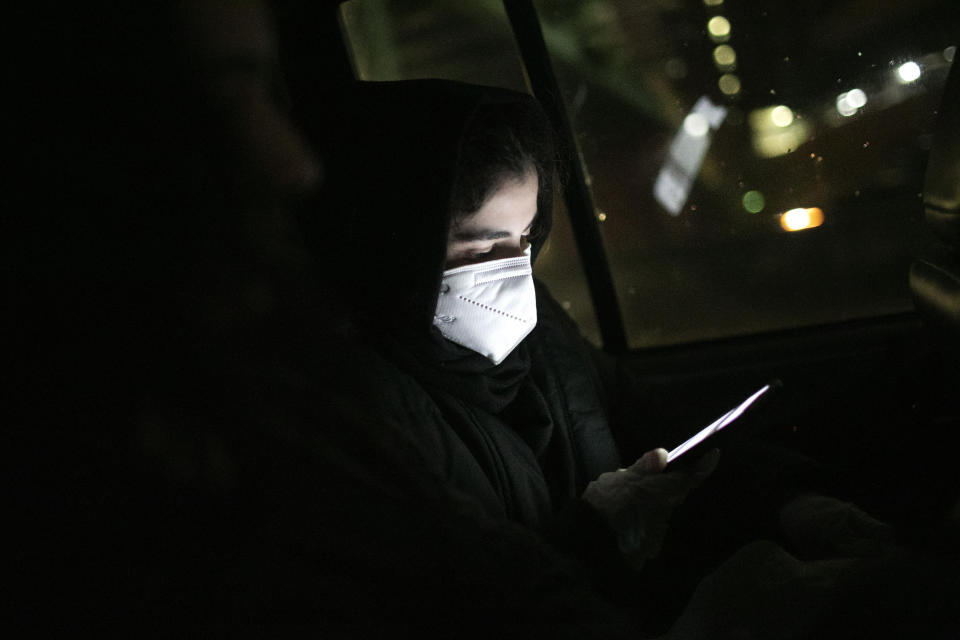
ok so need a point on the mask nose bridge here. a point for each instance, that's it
(517, 267)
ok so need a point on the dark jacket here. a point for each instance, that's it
(178, 454)
(523, 437)
(524, 467)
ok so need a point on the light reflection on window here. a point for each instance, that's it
(829, 115)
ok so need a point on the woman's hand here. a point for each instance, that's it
(636, 502)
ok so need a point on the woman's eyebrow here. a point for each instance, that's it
(472, 235)
(467, 235)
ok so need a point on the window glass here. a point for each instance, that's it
(471, 42)
(466, 41)
(756, 164)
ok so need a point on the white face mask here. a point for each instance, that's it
(488, 307)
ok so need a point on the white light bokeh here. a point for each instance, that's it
(908, 72)
(696, 124)
(849, 102)
(782, 116)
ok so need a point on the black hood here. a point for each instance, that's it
(387, 202)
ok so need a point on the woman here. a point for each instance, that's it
(175, 460)
(444, 196)
(441, 197)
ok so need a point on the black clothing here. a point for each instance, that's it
(187, 444)
(390, 175)
(534, 457)
(523, 437)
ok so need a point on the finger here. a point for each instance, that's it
(652, 461)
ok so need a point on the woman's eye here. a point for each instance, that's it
(482, 254)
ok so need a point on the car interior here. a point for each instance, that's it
(759, 200)
(755, 191)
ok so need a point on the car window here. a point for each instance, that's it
(755, 165)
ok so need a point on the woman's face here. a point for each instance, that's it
(499, 228)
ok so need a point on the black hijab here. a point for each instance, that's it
(391, 192)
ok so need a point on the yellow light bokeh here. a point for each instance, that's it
(801, 218)
(725, 57)
(729, 84)
(784, 141)
(782, 116)
(719, 29)
(777, 131)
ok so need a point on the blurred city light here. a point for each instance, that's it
(675, 180)
(725, 57)
(753, 201)
(782, 116)
(729, 84)
(801, 218)
(719, 29)
(908, 72)
(949, 52)
(696, 125)
(713, 3)
(777, 131)
(849, 102)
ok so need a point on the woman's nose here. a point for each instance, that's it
(513, 249)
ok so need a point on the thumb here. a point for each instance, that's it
(652, 461)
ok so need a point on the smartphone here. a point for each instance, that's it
(720, 423)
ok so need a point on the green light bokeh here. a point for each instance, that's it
(753, 201)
